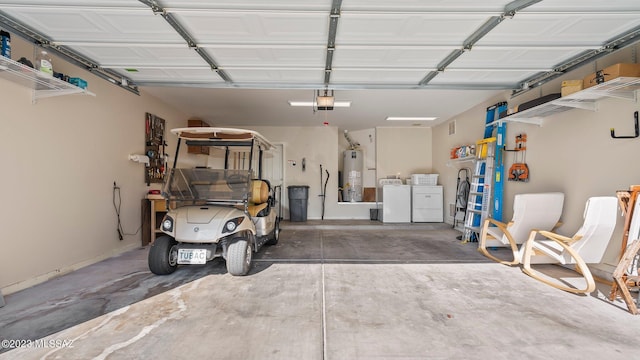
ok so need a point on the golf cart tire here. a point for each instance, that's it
(239, 256)
(160, 262)
(275, 236)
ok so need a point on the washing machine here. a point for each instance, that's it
(395, 206)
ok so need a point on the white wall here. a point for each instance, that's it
(403, 151)
(318, 146)
(60, 158)
(571, 152)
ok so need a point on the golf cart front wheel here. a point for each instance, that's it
(239, 256)
(162, 256)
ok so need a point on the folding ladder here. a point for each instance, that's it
(479, 203)
(493, 113)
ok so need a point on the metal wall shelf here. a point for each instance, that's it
(463, 160)
(42, 84)
(622, 88)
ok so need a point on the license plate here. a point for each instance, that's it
(192, 256)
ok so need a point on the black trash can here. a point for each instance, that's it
(298, 201)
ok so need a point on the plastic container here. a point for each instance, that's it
(298, 202)
(44, 63)
(373, 214)
(5, 44)
(81, 83)
(424, 179)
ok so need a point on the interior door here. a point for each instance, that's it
(272, 168)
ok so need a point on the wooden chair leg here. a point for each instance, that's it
(482, 247)
(582, 267)
(619, 277)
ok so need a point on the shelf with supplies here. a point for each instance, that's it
(621, 88)
(42, 84)
(461, 154)
(462, 160)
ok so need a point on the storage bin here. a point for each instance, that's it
(298, 202)
(424, 179)
(81, 83)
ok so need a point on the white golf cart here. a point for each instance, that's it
(228, 213)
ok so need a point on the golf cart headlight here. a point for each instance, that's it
(232, 224)
(167, 224)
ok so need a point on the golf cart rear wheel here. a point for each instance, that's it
(239, 255)
(162, 256)
(275, 235)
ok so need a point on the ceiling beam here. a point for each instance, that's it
(334, 16)
(282, 45)
(509, 10)
(67, 54)
(175, 24)
(297, 86)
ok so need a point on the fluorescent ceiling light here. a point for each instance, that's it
(314, 104)
(414, 118)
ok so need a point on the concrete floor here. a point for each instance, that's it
(328, 290)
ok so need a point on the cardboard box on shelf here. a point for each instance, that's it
(610, 73)
(570, 86)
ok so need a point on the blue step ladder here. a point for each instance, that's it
(487, 185)
(493, 122)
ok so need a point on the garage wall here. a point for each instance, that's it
(571, 152)
(61, 157)
(403, 151)
(318, 145)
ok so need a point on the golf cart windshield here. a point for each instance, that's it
(207, 185)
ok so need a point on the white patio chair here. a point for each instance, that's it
(539, 211)
(587, 246)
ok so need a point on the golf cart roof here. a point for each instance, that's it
(225, 135)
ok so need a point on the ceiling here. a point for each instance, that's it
(238, 62)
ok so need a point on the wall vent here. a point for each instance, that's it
(452, 127)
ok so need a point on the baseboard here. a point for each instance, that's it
(25, 284)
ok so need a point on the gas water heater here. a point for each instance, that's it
(352, 169)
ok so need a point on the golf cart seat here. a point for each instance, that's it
(259, 201)
(539, 211)
(587, 246)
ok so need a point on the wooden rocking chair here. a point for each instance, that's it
(587, 246)
(530, 212)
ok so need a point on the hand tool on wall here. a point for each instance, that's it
(323, 188)
(635, 117)
(519, 171)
